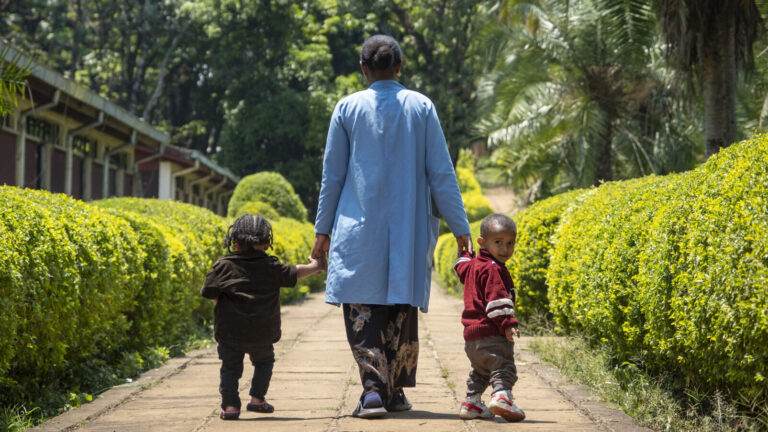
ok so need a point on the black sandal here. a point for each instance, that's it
(230, 415)
(262, 407)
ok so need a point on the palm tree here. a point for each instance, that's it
(13, 71)
(711, 39)
(575, 95)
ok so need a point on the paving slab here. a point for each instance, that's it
(315, 387)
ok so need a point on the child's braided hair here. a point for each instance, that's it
(248, 230)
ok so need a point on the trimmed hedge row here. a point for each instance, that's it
(270, 188)
(673, 271)
(181, 241)
(69, 274)
(293, 241)
(86, 284)
(475, 203)
(445, 258)
(258, 207)
(528, 266)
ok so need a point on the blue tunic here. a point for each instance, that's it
(385, 152)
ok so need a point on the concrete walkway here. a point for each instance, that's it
(316, 386)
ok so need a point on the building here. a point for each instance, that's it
(65, 138)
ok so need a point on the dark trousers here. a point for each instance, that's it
(385, 344)
(493, 362)
(262, 358)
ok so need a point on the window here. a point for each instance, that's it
(45, 131)
(87, 146)
(7, 121)
(120, 160)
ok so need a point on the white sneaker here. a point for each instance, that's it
(473, 407)
(502, 405)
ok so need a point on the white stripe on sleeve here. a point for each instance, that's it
(499, 302)
(501, 312)
(461, 260)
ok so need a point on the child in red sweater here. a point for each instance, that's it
(489, 321)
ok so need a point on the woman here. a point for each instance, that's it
(386, 163)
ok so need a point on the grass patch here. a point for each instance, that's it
(645, 398)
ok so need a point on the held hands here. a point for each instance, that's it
(315, 265)
(511, 332)
(464, 243)
(320, 250)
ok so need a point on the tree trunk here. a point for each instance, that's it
(604, 156)
(718, 64)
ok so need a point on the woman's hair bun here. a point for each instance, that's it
(380, 52)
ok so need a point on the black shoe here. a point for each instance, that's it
(370, 406)
(399, 402)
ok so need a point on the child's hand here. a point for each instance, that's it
(315, 265)
(215, 301)
(511, 332)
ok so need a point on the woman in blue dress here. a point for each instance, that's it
(386, 169)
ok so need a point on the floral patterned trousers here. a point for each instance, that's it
(385, 344)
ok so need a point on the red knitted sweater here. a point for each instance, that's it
(489, 295)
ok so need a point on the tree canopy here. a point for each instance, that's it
(566, 93)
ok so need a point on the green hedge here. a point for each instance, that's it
(85, 287)
(445, 258)
(69, 274)
(475, 203)
(258, 207)
(270, 188)
(528, 266)
(672, 272)
(181, 242)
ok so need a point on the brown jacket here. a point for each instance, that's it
(247, 287)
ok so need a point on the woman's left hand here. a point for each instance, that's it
(320, 249)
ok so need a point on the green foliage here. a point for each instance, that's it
(124, 275)
(70, 274)
(445, 258)
(528, 266)
(270, 188)
(642, 395)
(258, 207)
(578, 93)
(671, 272)
(12, 83)
(293, 245)
(195, 236)
(475, 203)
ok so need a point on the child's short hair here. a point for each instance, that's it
(495, 223)
(248, 230)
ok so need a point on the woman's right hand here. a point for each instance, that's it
(320, 249)
(465, 243)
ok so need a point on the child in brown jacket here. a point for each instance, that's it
(245, 285)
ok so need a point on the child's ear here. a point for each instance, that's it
(480, 241)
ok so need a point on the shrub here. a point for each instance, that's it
(258, 207)
(445, 258)
(672, 272)
(528, 266)
(270, 188)
(196, 236)
(293, 245)
(475, 203)
(69, 274)
(594, 261)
